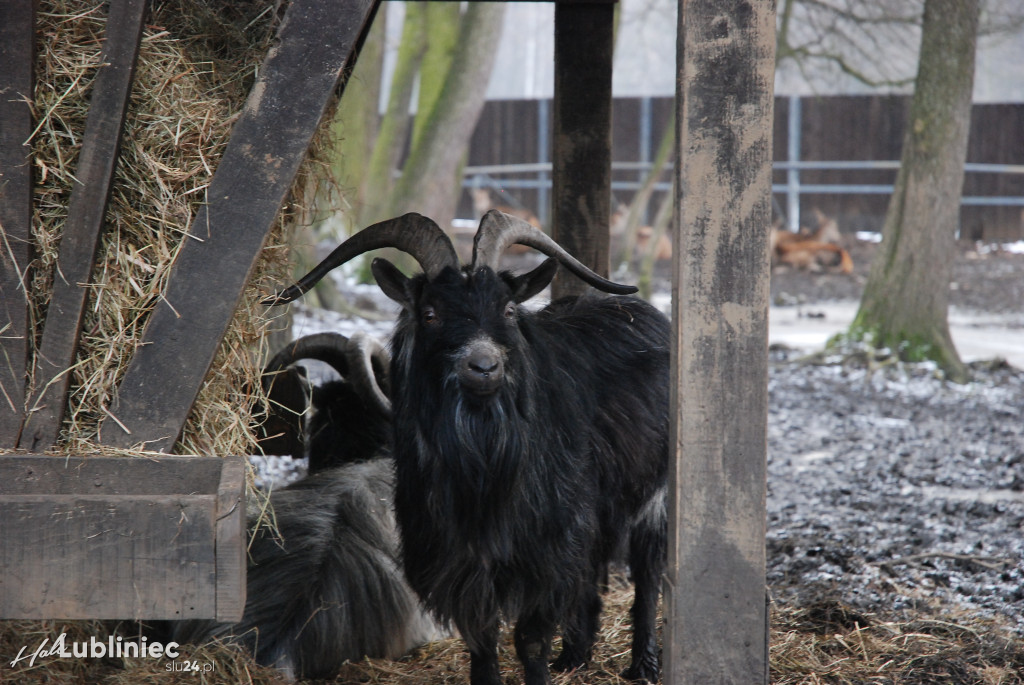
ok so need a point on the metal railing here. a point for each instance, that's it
(537, 175)
(540, 179)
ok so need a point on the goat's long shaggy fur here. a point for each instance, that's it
(529, 447)
(343, 427)
(329, 588)
(511, 502)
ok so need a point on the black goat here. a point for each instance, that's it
(330, 587)
(337, 422)
(528, 446)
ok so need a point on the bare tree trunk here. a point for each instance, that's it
(443, 26)
(354, 128)
(906, 299)
(394, 127)
(429, 180)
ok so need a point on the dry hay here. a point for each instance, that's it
(447, 662)
(197, 60)
(825, 641)
(821, 641)
(230, 664)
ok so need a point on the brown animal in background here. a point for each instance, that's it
(644, 234)
(663, 248)
(810, 250)
(484, 201)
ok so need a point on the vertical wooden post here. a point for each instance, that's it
(715, 599)
(581, 146)
(17, 56)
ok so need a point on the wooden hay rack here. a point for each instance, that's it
(720, 287)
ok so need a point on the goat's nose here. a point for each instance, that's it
(481, 371)
(483, 364)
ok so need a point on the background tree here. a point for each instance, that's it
(906, 299)
(446, 55)
(376, 166)
(430, 182)
(868, 42)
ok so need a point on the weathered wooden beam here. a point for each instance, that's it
(316, 41)
(232, 538)
(17, 55)
(581, 141)
(86, 212)
(121, 538)
(716, 619)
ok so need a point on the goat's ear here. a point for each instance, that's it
(393, 282)
(529, 284)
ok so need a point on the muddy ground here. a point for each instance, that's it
(890, 489)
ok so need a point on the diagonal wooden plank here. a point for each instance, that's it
(17, 54)
(317, 39)
(86, 211)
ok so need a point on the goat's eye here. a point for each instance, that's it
(510, 310)
(429, 315)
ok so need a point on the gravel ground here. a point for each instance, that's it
(896, 491)
(889, 489)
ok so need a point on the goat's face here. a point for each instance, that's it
(465, 323)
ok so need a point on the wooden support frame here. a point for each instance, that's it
(86, 214)
(581, 141)
(116, 538)
(316, 41)
(17, 55)
(716, 616)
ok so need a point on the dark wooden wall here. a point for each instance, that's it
(833, 128)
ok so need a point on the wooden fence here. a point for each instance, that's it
(834, 128)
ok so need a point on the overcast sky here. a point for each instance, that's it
(645, 59)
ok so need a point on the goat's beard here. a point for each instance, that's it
(478, 448)
(486, 435)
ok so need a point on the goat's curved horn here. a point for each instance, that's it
(353, 358)
(499, 230)
(330, 348)
(411, 233)
(363, 351)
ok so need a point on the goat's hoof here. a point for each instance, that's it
(568, 662)
(642, 673)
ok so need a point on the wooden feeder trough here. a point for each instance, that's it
(101, 537)
(107, 537)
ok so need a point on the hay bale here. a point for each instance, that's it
(197, 60)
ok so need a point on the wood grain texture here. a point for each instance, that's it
(715, 599)
(121, 538)
(316, 41)
(17, 54)
(581, 151)
(101, 144)
(231, 541)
